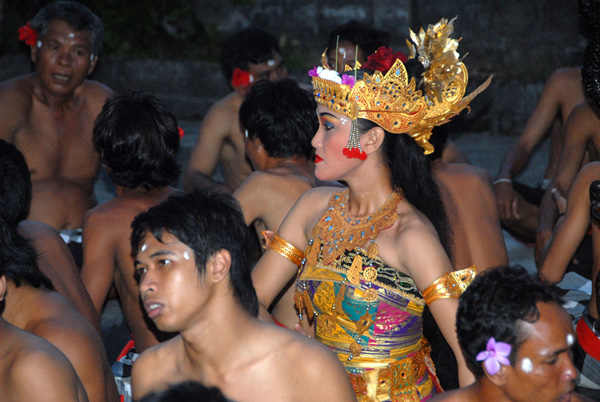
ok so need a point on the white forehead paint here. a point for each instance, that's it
(570, 340)
(186, 255)
(246, 133)
(342, 51)
(71, 35)
(144, 247)
(271, 63)
(39, 43)
(526, 365)
(343, 120)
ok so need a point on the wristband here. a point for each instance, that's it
(502, 180)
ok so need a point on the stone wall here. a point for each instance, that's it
(520, 42)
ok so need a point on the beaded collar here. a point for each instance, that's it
(338, 232)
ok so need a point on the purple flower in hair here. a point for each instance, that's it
(313, 72)
(496, 353)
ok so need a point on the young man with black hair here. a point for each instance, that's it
(516, 338)
(138, 139)
(248, 56)
(192, 258)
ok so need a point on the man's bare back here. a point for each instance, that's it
(48, 115)
(473, 216)
(107, 258)
(31, 367)
(220, 142)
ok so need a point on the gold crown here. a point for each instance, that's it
(392, 100)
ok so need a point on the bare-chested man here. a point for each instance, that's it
(32, 306)
(54, 258)
(49, 114)
(473, 216)
(31, 366)
(280, 121)
(247, 56)
(138, 139)
(519, 204)
(193, 260)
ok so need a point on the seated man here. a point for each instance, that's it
(192, 256)
(247, 56)
(516, 338)
(473, 216)
(33, 306)
(518, 203)
(53, 256)
(31, 366)
(138, 139)
(48, 115)
(280, 121)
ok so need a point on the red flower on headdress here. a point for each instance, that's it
(241, 78)
(27, 34)
(383, 59)
(181, 132)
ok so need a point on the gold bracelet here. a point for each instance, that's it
(283, 248)
(451, 284)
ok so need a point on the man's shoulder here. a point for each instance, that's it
(96, 93)
(16, 92)
(227, 105)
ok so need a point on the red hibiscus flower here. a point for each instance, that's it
(383, 59)
(241, 78)
(181, 132)
(27, 34)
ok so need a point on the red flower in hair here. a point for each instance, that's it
(181, 132)
(27, 34)
(383, 59)
(241, 78)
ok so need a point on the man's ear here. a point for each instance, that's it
(217, 268)
(2, 287)
(33, 49)
(499, 379)
(372, 139)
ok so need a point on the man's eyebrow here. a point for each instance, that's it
(558, 352)
(327, 114)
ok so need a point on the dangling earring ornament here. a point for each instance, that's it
(353, 149)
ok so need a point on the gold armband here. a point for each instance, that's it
(282, 247)
(451, 284)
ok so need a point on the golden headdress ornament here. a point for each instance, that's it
(390, 99)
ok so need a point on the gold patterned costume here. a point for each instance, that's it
(368, 313)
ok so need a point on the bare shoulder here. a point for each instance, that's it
(464, 173)
(589, 172)
(35, 230)
(154, 367)
(563, 78)
(96, 92)
(450, 396)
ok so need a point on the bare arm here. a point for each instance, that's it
(578, 130)
(428, 252)
(98, 268)
(571, 229)
(205, 155)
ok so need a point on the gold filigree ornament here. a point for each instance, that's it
(396, 103)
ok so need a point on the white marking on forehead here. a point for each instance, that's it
(271, 63)
(343, 52)
(526, 365)
(343, 120)
(186, 255)
(39, 43)
(144, 247)
(570, 340)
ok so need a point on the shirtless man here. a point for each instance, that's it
(473, 216)
(48, 115)
(138, 139)
(517, 340)
(193, 261)
(280, 121)
(32, 306)
(31, 366)
(54, 258)
(247, 56)
(518, 204)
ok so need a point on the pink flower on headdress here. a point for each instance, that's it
(496, 353)
(348, 80)
(241, 78)
(27, 34)
(314, 72)
(383, 59)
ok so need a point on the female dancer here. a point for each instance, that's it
(375, 253)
